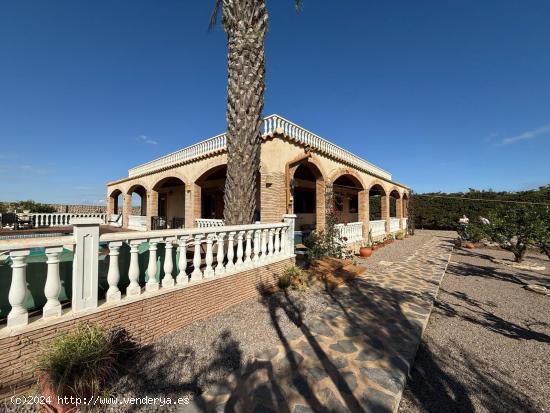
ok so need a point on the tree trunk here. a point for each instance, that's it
(245, 22)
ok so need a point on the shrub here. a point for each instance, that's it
(293, 277)
(84, 360)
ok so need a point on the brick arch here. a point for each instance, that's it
(112, 199)
(320, 183)
(345, 171)
(157, 178)
(132, 184)
(379, 183)
(222, 161)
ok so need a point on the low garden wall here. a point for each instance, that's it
(147, 319)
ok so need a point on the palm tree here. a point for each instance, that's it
(245, 22)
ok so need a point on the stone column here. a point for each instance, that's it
(321, 189)
(152, 209)
(126, 209)
(385, 208)
(363, 213)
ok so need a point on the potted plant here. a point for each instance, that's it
(365, 250)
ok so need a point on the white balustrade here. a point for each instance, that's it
(394, 224)
(378, 227)
(403, 223)
(209, 223)
(62, 219)
(350, 233)
(271, 125)
(217, 251)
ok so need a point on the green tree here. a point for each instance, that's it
(245, 23)
(512, 228)
(542, 231)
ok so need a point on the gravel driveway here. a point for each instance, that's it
(487, 345)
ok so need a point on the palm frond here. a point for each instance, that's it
(215, 13)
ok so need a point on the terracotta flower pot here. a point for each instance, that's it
(469, 245)
(365, 252)
(50, 396)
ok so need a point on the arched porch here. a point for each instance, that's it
(395, 213)
(135, 208)
(307, 196)
(170, 204)
(378, 210)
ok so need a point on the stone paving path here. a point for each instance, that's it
(355, 356)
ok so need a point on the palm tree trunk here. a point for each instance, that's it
(245, 22)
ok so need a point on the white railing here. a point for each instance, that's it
(61, 219)
(215, 252)
(137, 222)
(209, 223)
(394, 224)
(351, 232)
(271, 124)
(403, 223)
(377, 227)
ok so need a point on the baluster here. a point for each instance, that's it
(152, 283)
(230, 253)
(197, 274)
(239, 262)
(52, 308)
(18, 316)
(220, 269)
(209, 271)
(277, 245)
(182, 277)
(248, 250)
(256, 258)
(113, 275)
(270, 244)
(263, 258)
(133, 272)
(168, 279)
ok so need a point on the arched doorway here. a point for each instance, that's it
(395, 211)
(307, 189)
(209, 197)
(377, 210)
(170, 193)
(136, 207)
(347, 198)
(115, 207)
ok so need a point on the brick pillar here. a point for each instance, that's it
(126, 209)
(321, 202)
(152, 209)
(363, 213)
(399, 207)
(385, 206)
(110, 205)
(192, 205)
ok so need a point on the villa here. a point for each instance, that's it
(184, 189)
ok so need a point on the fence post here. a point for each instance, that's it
(291, 220)
(85, 263)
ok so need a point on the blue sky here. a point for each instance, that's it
(444, 94)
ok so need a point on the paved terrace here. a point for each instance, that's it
(348, 349)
